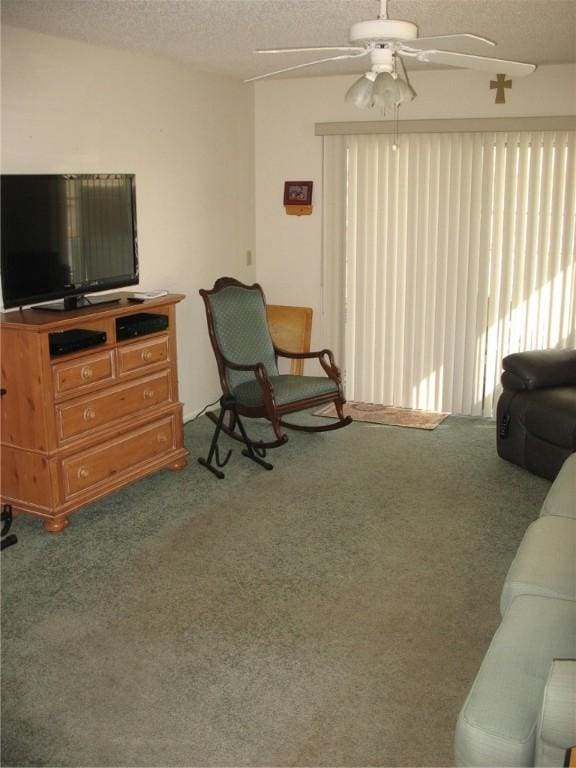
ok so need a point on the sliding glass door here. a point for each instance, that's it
(443, 256)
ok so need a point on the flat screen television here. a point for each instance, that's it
(65, 236)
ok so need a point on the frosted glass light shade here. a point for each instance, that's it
(384, 88)
(361, 92)
(390, 92)
(405, 91)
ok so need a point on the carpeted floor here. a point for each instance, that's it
(332, 612)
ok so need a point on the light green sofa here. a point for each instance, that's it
(521, 708)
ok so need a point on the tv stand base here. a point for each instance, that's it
(78, 302)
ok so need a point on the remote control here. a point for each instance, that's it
(149, 294)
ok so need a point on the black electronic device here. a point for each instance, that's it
(140, 324)
(73, 340)
(64, 236)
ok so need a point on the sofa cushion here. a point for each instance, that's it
(497, 724)
(551, 416)
(557, 723)
(561, 498)
(545, 563)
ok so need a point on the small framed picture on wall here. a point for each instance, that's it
(298, 192)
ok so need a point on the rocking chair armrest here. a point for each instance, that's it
(265, 385)
(298, 355)
(324, 356)
(327, 362)
(259, 369)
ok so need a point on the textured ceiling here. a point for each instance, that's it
(220, 35)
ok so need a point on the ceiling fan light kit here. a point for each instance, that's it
(387, 42)
(379, 89)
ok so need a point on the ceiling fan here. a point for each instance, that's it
(386, 42)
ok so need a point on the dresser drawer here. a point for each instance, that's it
(111, 459)
(82, 416)
(78, 375)
(136, 356)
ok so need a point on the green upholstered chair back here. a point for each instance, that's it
(241, 330)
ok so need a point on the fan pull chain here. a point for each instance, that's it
(395, 136)
(396, 133)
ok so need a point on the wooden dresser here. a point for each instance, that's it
(80, 425)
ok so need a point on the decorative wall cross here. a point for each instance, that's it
(500, 83)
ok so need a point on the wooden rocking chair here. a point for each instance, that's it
(251, 385)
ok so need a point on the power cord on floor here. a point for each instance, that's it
(203, 411)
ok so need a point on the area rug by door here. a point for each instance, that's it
(390, 415)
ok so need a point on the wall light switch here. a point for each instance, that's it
(248, 258)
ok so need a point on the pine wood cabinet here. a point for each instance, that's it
(78, 426)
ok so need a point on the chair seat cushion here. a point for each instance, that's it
(551, 416)
(287, 389)
(545, 563)
(497, 724)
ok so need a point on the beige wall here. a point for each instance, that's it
(288, 248)
(188, 137)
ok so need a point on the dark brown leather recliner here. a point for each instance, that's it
(536, 413)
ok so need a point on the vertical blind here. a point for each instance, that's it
(442, 257)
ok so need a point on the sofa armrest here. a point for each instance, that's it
(540, 368)
(557, 723)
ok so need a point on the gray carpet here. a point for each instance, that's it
(332, 612)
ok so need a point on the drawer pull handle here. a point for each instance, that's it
(146, 355)
(83, 473)
(89, 414)
(148, 394)
(86, 373)
(162, 437)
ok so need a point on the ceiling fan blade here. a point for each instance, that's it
(482, 63)
(459, 35)
(311, 48)
(364, 52)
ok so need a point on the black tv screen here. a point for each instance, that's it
(67, 235)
